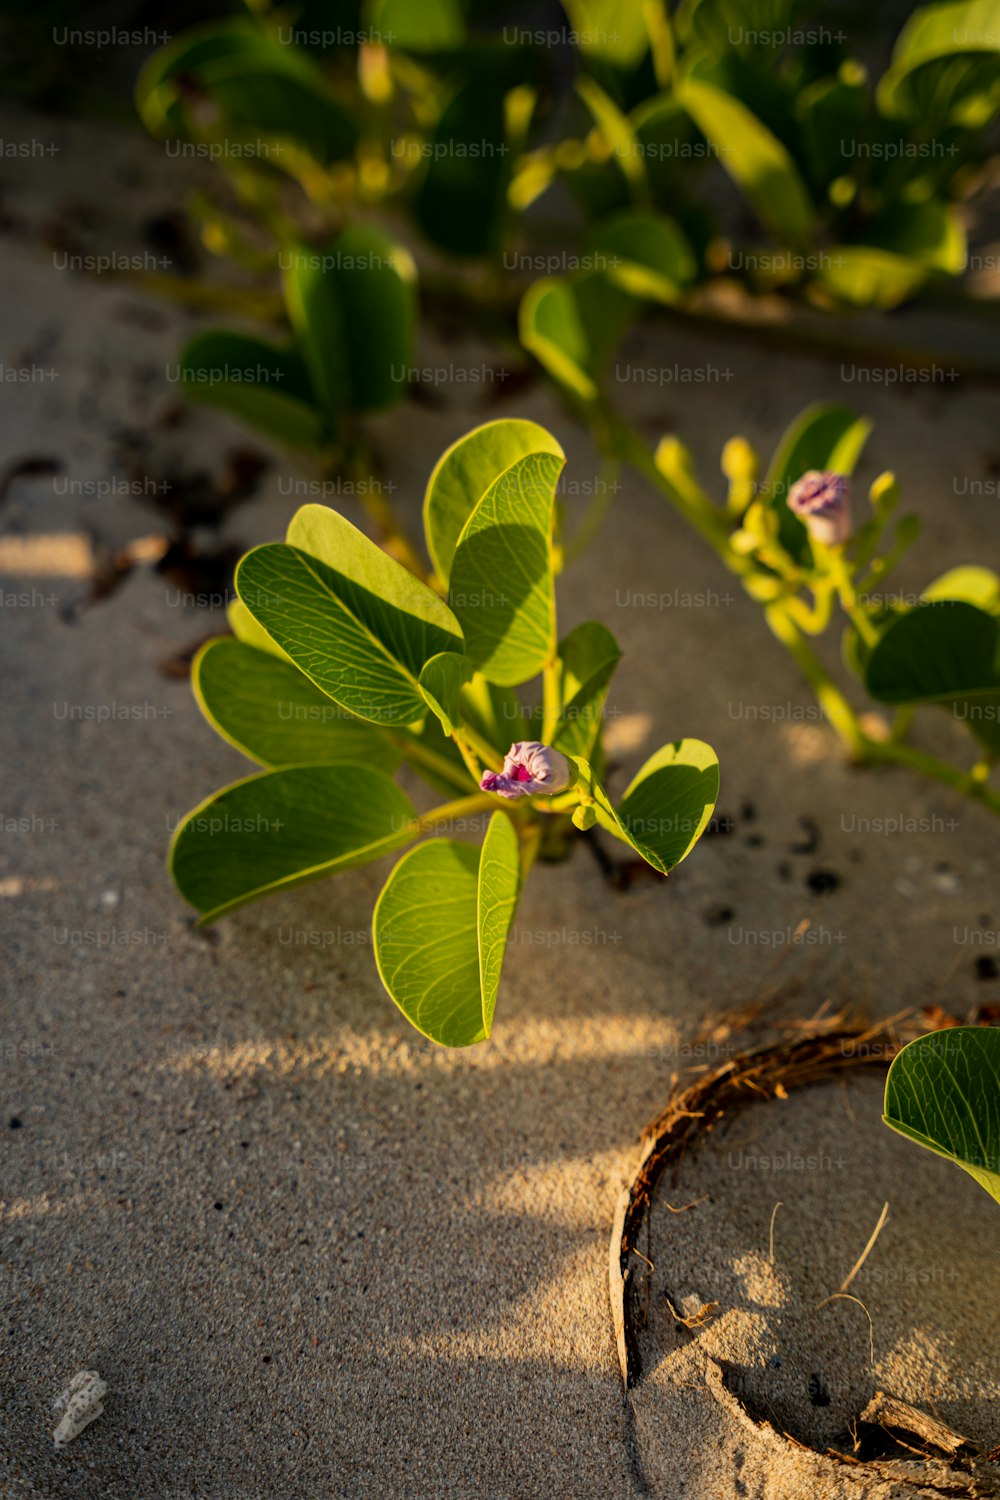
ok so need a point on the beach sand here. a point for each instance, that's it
(310, 1253)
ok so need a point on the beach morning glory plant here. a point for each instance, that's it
(345, 669)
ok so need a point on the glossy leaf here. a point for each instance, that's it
(416, 25)
(357, 623)
(571, 327)
(945, 652)
(352, 303)
(668, 805)
(283, 828)
(441, 682)
(440, 929)
(464, 473)
(943, 1092)
(272, 713)
(258, 86)
(646, 255)
(979, 586)
(754, 158)
(265, 387)
(502, 581)
(587, 660)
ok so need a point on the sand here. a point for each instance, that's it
(310, 1253)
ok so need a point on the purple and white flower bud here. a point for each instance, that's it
(530, 769)
(820, 500)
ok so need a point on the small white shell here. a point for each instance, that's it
(83, 1400)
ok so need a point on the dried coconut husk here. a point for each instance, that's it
(892, 1441)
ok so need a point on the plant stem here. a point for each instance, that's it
(450, 812)
(968, 783)
(551, 698)
(836, 707)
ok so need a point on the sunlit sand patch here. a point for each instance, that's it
(534, 1043)
(543, 1325)
(22, 1210)
(551, 1190)
(17, 885)
(61, 554)
(808, 743)
(626, 733)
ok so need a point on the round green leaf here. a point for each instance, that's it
(946, 652)
(351, 618)
(284, 828)
(261, 87)
(668, 805)
(646, 255)
(272, 713)
(353, 305)
(440, 929)
(943, 1091)
(265, 387)
(464, 473)
(572, 327)
(502, 579)
(441, 682)
(587, 660)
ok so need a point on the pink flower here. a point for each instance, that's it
(820, 500)
(529, 770)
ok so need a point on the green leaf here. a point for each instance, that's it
(646, 255)
(821, 437)
(943, 1091)
(441, 682)
(609, 31)
(754, 158)
(668, 805)
(979, 586)
(502, 580)
(265, 387)
(494, 712)
(945, 652)
(934, 35)
(572, 327)
(461, 203)
(902, 247)
(353, 305)
(260, 87)
(464, 473)
(865, 276)
(283, 828)
(351, 618)
(416, 25)
(440, 929)
(587, 660)
(245, 629)
(618, 135)
(273, 714)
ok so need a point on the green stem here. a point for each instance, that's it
(551, 699)
(450, 812)
(849, 600)
(968, 783)
(836, 707)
